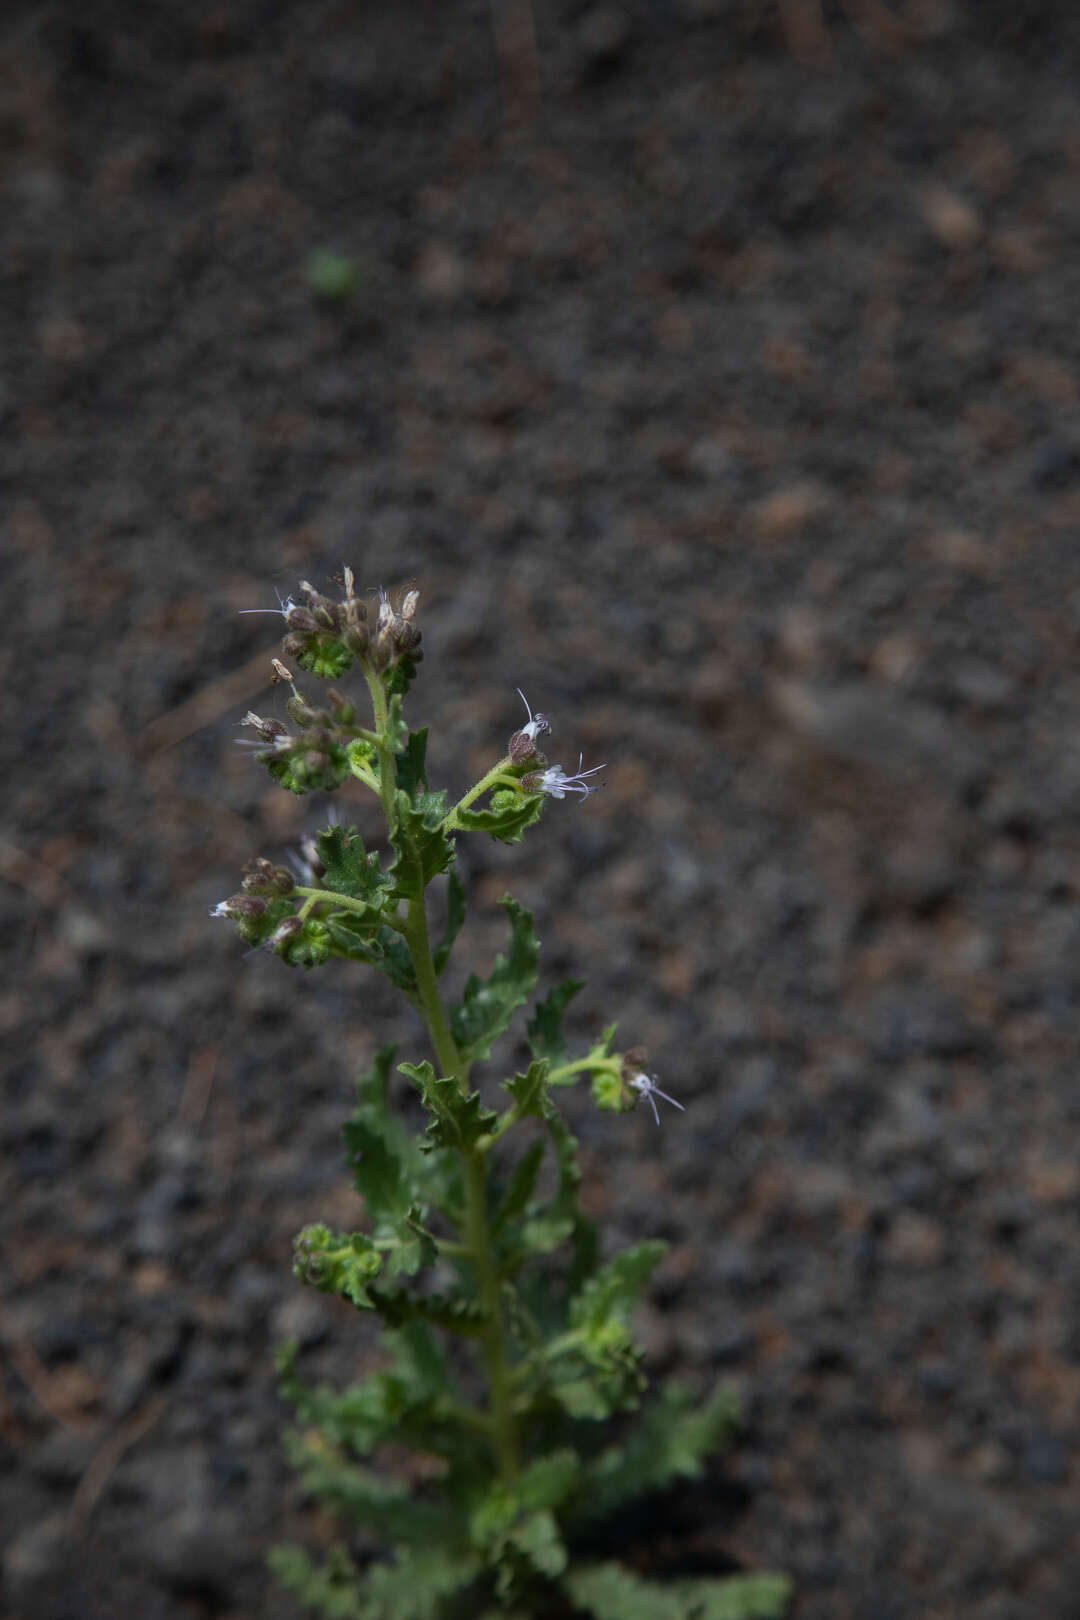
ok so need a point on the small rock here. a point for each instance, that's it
(914, 1241)
(33, 1557)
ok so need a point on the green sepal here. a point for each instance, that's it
(489, 1004)
(337, 1263)
(321, 654)
(507, 816)
(544, 1029)
(307, 768)
(309, 947)
(257, 930)
(455, 918)
(401, 674)
(459, 1119)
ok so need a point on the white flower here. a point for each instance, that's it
(538, 724)
(555, 781)
(221, 909)
(645, 1085)
(284, 608)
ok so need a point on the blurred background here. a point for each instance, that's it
(712, 366)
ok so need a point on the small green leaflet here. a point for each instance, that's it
(489, 1004)
(544, 1029)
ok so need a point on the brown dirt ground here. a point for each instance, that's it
(713, 366)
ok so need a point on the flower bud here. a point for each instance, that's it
(523, 750)
(240, 906)
(302, 711)
(299, 619)
(263, 877)
(289, 929)
(268, 729)
(344, 708)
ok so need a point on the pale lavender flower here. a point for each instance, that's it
(555, 781)
(645, 1085)
(538, 724)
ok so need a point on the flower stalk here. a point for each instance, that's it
(460, 1244)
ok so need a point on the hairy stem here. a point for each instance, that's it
(427, 984)
(493, 1342)
(489, 780)
(386, 754)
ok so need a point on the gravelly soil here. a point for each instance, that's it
(722, 394)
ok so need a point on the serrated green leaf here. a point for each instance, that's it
(422, 849)
(352, 870)
(333, 1588)
(358, 1493)
(489, 1004)
(735, 1597)
(380, 1173)
(410, 766)
(668, 1441)
(459, 1120)
(506, 819)
(521, 1187)
(529, 1090)
(536, 1537)
(353, 937)
(610, 1592)
(464, 1317)
(544, 1029)
(455, 917)
(615, 1289)
(414, 1585)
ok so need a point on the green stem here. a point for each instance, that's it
(486, 782)
(493, 1341)
(558, 1076)
(501, 1421)
(343, 902)
(386, 753)
(427, 984)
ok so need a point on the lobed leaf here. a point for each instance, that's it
(529, 1090)
(459, 1119)
(610, 1294)
(352, 870)
(455, 917)
(736, 1597)
(489, 1004)
(667, 1442)
(507, 817)
(544, 1029)
(422, 849)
